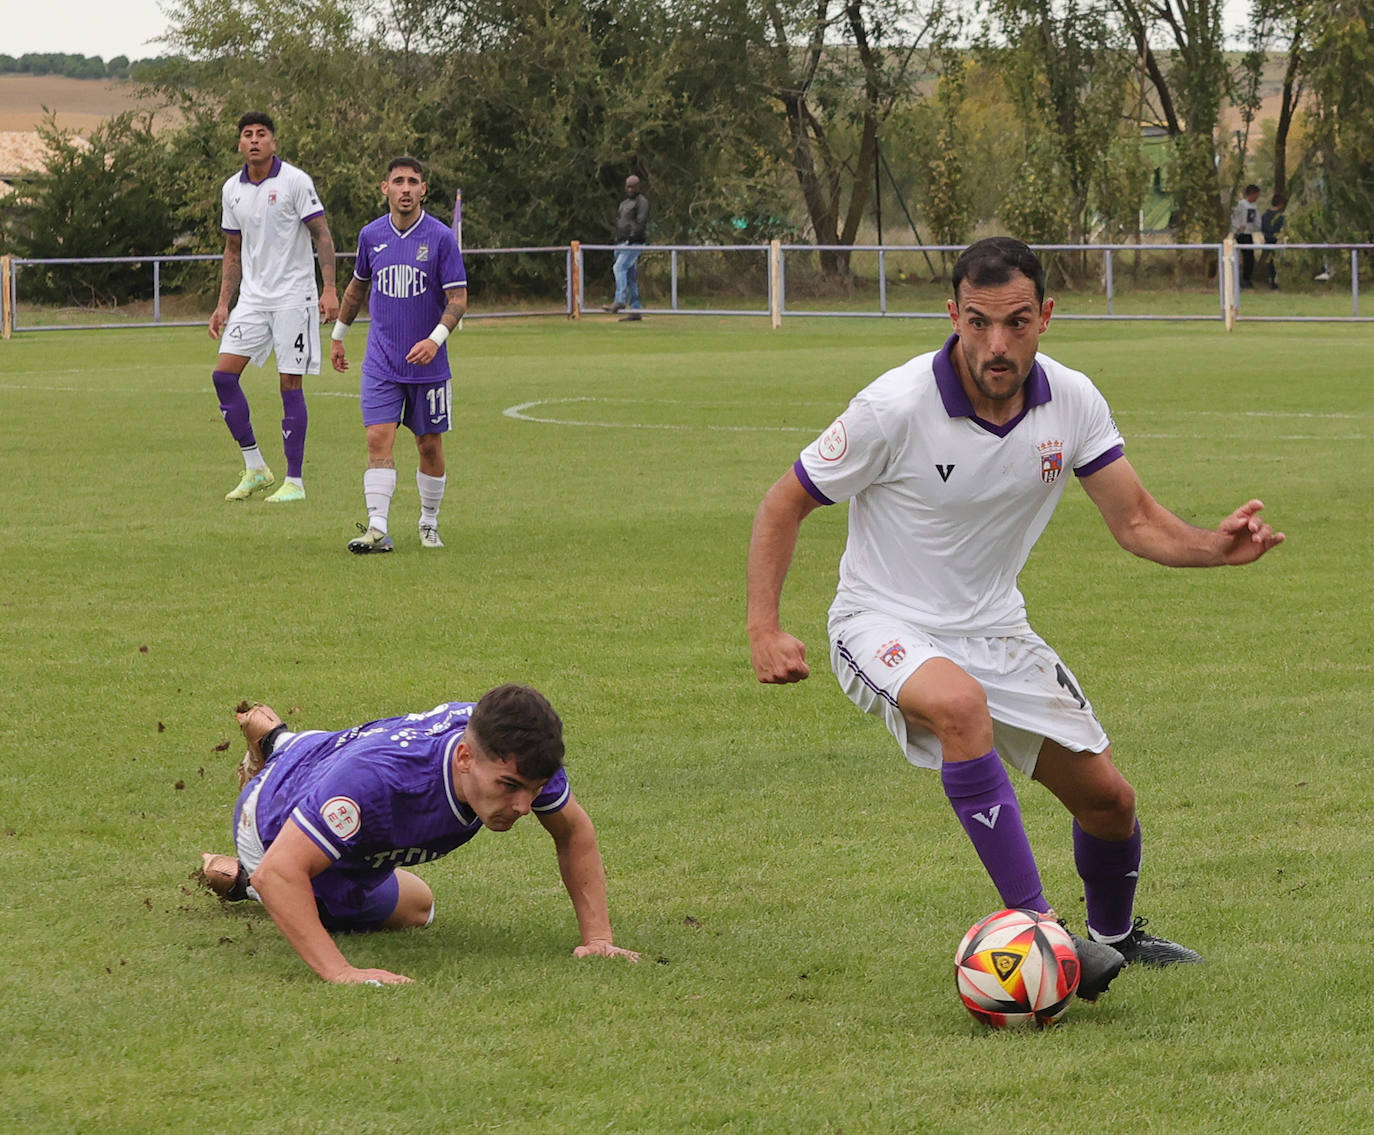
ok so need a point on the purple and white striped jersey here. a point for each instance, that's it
(379, 795)
(408, 272)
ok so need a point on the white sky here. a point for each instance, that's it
(83, 27)
(127, 27)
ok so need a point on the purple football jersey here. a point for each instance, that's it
(408, 272)
(380, 795)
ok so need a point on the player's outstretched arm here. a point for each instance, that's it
(282, 881)
(777, 656)
(1146, 528)
(584, 876)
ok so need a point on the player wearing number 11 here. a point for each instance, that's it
(413, 267)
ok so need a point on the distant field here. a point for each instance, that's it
(797, 889)
(81, 104)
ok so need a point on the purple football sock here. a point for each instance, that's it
(1110, 870)
(293, 422)
(233, 406)
(986, 805)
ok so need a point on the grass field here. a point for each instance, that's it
(797, 889)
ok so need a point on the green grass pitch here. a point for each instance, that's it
(796, 888)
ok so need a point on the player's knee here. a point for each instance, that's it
(1110, 808)
(957, 715)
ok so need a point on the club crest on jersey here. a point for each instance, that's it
(343, 816)
(422, 253)
(834, 442)
(891, 653)
(1051, 460)
(271, 196)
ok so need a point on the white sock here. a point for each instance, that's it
(252, 458)
(431, 497)
(379, 485)
(299, 482)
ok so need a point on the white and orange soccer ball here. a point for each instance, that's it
(1016, 968)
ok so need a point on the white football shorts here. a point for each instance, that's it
(1031, 694)
(292, 333)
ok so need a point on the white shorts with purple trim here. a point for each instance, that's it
(1031, 694)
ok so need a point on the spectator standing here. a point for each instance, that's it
(631, 231)
(1271, 224)
(1245, 223)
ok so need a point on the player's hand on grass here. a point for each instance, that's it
(338, 358)
(354, 976)
(778, 657)
(1248, 536)
(604, 950)
(423, 352)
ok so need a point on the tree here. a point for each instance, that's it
(1339, 169)
(1068, 69)
(1188, 91)
(837, 69)
(104, 196)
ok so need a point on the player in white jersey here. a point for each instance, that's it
(270, 211)
(411, 264)
(952, 465)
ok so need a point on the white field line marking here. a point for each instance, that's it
(518, 412)
(521, 413)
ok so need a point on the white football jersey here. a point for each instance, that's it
(278, 254)
(944, 506)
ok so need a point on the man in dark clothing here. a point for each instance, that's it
(1271, 224)
(631, 231)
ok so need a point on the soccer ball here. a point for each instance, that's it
(1016, 968)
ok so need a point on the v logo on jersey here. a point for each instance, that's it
(944, 471)
(989, 818)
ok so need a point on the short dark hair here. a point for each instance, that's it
(517, 722)
(257, 118)
(1279, 201)
(405, 162)
(1251, 188)
(993, 261)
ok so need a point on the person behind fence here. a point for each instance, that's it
(411, 263)
(1271, 224)
(952, 464)
(327, 822)
(631, 231)
(1245, 223)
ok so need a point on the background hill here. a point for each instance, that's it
(80, 104)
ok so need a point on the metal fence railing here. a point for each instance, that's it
(775, 280)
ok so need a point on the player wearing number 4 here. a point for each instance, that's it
(270, 212)
(952, 464)
(414, 269)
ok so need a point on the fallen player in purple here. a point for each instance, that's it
(326, 823)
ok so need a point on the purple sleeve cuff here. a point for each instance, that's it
(1102, 462)
(230, 232)
(808, 484)
(316, 213)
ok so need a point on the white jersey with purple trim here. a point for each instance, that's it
(944, 506)
(278, 255)
(379, 795)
